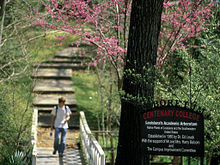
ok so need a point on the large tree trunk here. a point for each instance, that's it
(142, 53)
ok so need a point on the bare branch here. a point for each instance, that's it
(2, 22)
(34, 38)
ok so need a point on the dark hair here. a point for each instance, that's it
(61, 99)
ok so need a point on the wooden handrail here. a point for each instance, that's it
(34, 136)
(93, 151)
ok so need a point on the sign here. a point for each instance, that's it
(172, 130)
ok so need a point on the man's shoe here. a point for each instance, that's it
(54, 152)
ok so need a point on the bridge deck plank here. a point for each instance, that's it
(70, 156)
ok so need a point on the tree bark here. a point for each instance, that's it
(176, 160)
(142, 53)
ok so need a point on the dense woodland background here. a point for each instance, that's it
(187, 69)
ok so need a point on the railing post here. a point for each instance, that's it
(34, 136)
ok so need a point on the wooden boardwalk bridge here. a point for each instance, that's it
(52, 79)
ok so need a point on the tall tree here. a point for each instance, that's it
(141, 57)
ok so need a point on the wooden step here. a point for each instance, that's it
(52, 73)
(51, 100)
(69, 50)
(73, 58)
(72, 53)
(64, 60)
(62, 66)
(44, 86)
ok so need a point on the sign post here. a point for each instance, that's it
(172, 130)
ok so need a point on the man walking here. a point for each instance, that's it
(61, 114)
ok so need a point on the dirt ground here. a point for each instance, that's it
(45, 140)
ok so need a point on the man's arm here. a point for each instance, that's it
(52, 120)
(67, 118)
(68, 114)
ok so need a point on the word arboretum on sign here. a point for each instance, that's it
(172, 131)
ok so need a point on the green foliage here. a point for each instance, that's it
(47, 46)
(106, 144)
(16, 116)
(19, 157)
(161, 158)
(139, 78)
(14, 56)
(87, 96)
(193, 76)
(16, 10)
(208, 68)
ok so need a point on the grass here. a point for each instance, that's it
(45, 47)
(87, 96)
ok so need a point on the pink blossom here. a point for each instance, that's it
(92, 63)
(181, 20)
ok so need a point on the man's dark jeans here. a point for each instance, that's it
(60, 147)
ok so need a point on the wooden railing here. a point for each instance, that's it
(34, 136)
(93, 151)
(109, 141)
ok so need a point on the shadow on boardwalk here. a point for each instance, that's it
(71, 156)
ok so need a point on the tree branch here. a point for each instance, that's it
(2, 21)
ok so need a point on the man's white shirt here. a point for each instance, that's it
(61, 116)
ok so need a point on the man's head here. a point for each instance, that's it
(61, 101)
